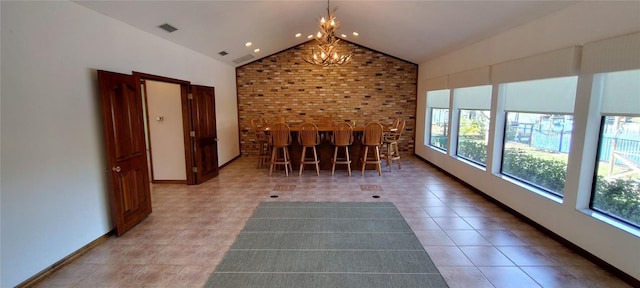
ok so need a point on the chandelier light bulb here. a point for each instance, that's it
(322, 20)
(319, 34)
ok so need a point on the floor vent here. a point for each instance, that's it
(370, 187)
(284, 188)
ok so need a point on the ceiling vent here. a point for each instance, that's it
(243, 59)
(167, 27)
(223, 53)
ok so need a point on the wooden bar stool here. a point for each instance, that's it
(391, 141)
(372, 138)
(264, 122)
(325, 122)
(393, 127)
(280, 141)
(308, 137)
(342, 137)
(263, 142)
(395, 123)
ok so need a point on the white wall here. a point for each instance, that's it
(0, 148)
(54, 185)
(575, 25)
(166, 135)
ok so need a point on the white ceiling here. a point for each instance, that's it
(415, 31)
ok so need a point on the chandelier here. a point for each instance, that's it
(327, 54)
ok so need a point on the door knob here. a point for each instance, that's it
(116, 169)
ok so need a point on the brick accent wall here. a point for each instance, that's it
(372, 87)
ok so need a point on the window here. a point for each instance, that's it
(538, 131)
(474, 104)
(438, 104)
(473, 135)
(439, 126)
(616, 189)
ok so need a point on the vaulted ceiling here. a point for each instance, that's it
(414, 31)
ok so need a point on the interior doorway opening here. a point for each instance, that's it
(180, 130)
(125, 127)
(164, 132)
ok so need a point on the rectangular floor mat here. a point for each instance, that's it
(323, 244)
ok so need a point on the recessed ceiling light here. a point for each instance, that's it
(256, 50)
(355, 34)
(298, 35)
(344, 35)
(248, 44)
(310, 36)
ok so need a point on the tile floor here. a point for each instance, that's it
(473, 242)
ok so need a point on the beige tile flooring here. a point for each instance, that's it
(473, 242)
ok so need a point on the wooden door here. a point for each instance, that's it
(205, 141)
(130, 196)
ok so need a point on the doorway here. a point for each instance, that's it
(124, 130)
(164, 132)
(197, 155)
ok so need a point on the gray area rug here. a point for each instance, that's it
(320, 244)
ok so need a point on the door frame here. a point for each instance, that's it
(186, 122)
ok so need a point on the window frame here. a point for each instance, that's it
(595, 176)
(447, 132)
(483, 165)
(536, 187)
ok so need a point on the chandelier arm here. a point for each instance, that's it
(327, 43)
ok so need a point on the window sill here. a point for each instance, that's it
(438, 149)
(532, 189)
(471, 163)
(613, 222)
